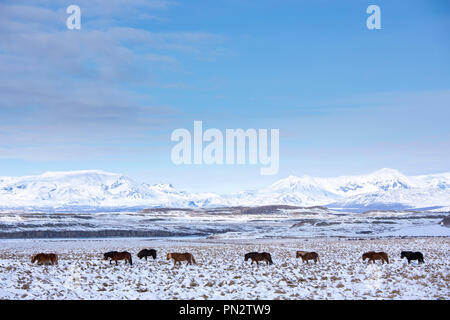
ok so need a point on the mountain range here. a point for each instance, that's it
(383, 189)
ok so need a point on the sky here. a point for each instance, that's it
(347, 100)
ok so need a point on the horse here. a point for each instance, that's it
(144, 253)
(257, 257)
(372, 256)
(412, 256)
(45, 258)
(178, 257)
(298, 254)
(114, 255)
(309, 256)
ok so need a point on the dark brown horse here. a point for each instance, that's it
(298, 254)
(114, 255)
(257, 257)
(310, 256)
(372, 256)
(45, 258)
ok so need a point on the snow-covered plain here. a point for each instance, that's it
(221, 272)
(242, 222)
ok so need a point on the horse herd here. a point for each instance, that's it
(52, 258)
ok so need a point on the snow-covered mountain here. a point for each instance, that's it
(83, 188)
(383, 189)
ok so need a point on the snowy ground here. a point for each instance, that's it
(221, 272)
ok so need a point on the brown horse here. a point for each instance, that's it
(178, 257)
(45, 258)
(114, 255)
(372, 256)
(298, 254)
(310, 256)
(257, 257)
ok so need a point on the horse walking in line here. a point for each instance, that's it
(412, 256)
(115, 256)
(144, 253)
(298, 254)
(308, 256)
(372, 256)
(45, 258)
(179, 257)
(258, 257)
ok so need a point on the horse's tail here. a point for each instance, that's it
(130, 260)
(56, 259)
(387, 258)
(193, 260)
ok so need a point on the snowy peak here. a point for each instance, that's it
(384, 179)
(294, 183)
(162, 187)
(382, 188)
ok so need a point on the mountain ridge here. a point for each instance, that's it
(384, 189)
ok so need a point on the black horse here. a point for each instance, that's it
(412, 256)
(145, 253)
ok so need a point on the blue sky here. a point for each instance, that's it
(347, 100)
